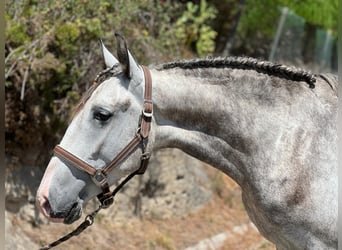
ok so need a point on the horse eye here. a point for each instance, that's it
(102, 115)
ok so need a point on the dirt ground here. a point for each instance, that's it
(225, 215)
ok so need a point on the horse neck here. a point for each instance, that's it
(209, 120)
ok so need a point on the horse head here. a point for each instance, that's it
(101, 128)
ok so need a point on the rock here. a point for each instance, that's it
(21, 185)
(217, 241)
(174, 184)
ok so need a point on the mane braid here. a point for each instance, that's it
(265, 67)
(100, 78)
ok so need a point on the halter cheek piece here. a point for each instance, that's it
(99, 176)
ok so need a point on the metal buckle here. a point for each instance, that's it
(145, 156)
(107, 202)
(99, 178)
(145, 113)
(148, 114)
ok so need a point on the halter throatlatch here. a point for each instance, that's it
(99, 176)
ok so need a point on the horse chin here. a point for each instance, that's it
(74, 214)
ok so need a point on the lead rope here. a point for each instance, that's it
(89, 219)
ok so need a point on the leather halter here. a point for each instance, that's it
(99, 175)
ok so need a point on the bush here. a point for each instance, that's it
(192, 27)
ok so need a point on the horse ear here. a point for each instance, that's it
(128, 63)
(108, 57)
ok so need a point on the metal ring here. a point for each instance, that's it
(90, 219)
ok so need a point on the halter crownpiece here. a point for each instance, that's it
(99, 176)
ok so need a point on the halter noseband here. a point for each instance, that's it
(99, 176)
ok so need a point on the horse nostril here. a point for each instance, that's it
(46, 207)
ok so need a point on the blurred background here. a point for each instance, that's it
(52, 53)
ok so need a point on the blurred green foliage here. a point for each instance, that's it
(262, 15)
(259, 22)
(193, 28)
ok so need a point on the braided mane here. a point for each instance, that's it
(248, 63)
(100, 77)
(265, 67)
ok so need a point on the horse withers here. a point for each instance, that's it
(270, 127)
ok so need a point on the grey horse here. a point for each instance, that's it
(270, 127)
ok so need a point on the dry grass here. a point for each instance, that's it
(223, 214)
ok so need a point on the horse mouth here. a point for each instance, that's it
(67, 217)
(74, 214)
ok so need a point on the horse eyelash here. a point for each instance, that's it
(97, 113)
